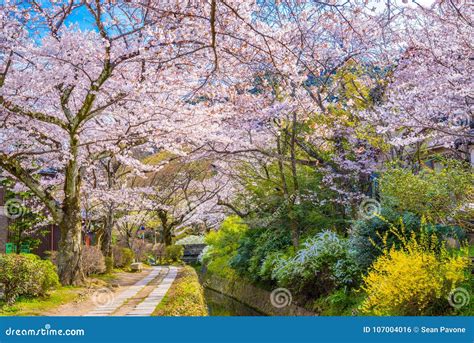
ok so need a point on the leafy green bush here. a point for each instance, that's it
(270, 208)
(440, 195)
(366, 234)
(223, 244)
(416, 279)
(269, 264)
(127, 257)
(26, 274)
(123, 257)
(174, 252)
(322, 264)
(254, 248)
(342, 302)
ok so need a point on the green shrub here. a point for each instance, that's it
(342, 302)
(123, 257)
(439, 195)
(26, 274)
(174, 252)
(254, 248)
(269, 264)
(322, 264)
(223, 245)
(127, 257)
(366, 234)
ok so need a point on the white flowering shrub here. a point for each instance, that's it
(322, 264)
(204, 254)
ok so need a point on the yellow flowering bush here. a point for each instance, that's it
(414, 280)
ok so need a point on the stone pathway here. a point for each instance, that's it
(121, 298)
(132, 302)
(147, 306)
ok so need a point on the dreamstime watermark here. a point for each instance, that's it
(281, 297)
(103, 297)
(267, 221)
(459, 297)
(13, 209)
(369, 208)
(46, 331)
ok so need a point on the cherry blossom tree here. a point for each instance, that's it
(74, 96)
(182, 193)
(428, 102)
(89, 88)
(71, 97)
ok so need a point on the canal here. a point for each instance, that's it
(221, 305)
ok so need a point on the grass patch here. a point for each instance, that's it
(37, 306)
(110, 277)
(185, 297)
(104, 277)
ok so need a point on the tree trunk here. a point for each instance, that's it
(295, 232)
(288, 199)
(106, 242)
(295, 235)
(70, 248)
(167, 227)
(167, 238)
(70, 224)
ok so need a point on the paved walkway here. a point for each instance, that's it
(147, 306)
(144, 307)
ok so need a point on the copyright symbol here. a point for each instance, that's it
(416, 329)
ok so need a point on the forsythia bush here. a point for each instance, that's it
(415, 280)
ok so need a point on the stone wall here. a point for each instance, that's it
(3, 222)
(254, 297)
